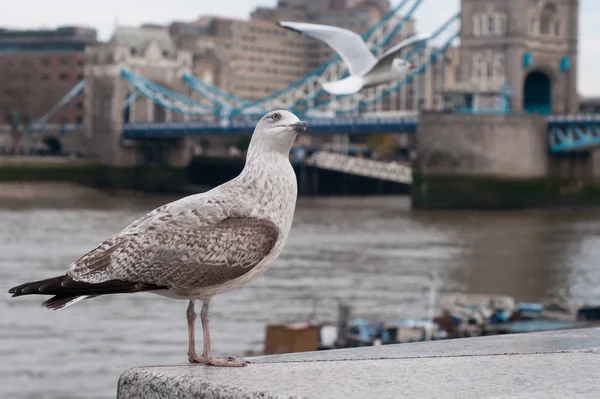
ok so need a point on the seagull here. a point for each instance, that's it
(199, 246)
(365, 69)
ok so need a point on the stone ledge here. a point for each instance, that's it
(558, 364)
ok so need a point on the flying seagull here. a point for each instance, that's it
(365, 69)
(199, 246)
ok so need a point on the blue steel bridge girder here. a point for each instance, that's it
(70, 95)
(565, 133)
(571, 134)
(219, 98)
(317, 126)
(166, 98)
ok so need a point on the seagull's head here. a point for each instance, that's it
(402, 65)
(276, 131)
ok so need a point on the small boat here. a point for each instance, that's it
(461, 315)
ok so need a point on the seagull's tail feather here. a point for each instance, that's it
(61, 302)
(285, 25)
(67, 291)
(350, 85)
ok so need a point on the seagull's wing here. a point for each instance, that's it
(181, 249)
(385, 61)
(350, 85)
(349, 45)
(196, 242)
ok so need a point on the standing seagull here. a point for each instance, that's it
(365, 69)
(199, 246)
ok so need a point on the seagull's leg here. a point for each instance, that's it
(191, 319)
(215, 361)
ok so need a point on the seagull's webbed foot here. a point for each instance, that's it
(206, 357)
(226, 362)
(195, 358)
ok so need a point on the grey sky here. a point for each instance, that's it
(103, 14)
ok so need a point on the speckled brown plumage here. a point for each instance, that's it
(183, 259)
(199, 246)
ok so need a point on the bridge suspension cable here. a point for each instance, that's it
(131, 99)
(71, 94)
(164, 97)
(219, 98)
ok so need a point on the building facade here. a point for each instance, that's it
(529, 45)
(258, 56)
(37, 68)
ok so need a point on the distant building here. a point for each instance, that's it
(589, 105)
(317, 6)
(38, 67)
(258, 56)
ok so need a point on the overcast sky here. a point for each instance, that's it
(103, 14)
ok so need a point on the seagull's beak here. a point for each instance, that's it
(412, 66)
(300, 126)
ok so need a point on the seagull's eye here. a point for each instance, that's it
(275, 116)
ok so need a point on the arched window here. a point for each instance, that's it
(477, 71)
(501, 24)
(476, 25)
(499, 67)
(491, 24)
(547, 18)
(532, 25)
(484, 24)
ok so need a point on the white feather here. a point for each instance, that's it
(71, 302)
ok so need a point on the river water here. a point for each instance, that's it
(375, 253)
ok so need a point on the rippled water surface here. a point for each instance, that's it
(373, 252)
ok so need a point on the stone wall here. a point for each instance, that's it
(104, 95)
(506, 146)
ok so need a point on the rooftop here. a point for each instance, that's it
(139, 38)
(63, 33)
(65, 38)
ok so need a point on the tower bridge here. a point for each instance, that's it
(517, 67)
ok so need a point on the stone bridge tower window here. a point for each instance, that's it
(489, 24)
(548, 22)
(499, 67)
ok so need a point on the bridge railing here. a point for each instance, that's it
(316, 126)
(574, 118)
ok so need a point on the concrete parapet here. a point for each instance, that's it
(504, 146)
(558, 364)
